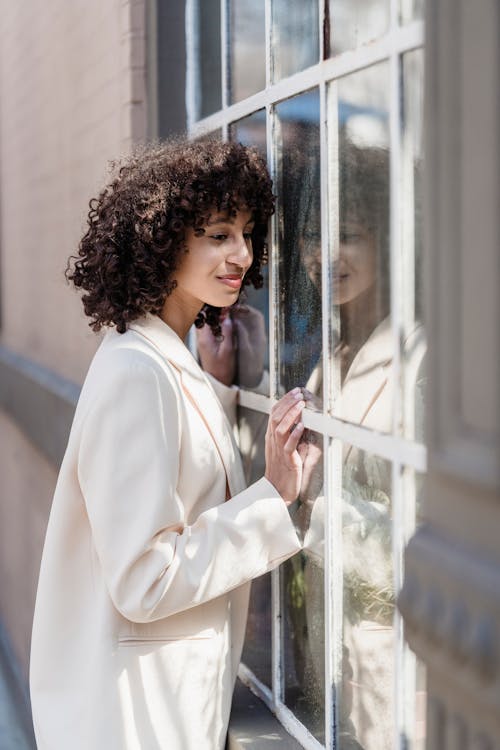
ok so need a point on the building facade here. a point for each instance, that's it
(380, 299)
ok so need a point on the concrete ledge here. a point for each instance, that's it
(253, 727)
(16, 728)
(40, 401)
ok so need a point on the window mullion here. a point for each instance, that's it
(224, 51)
(224, 62)
(277, 639)
(327, 363)
(397, 337)
(398, 540)
(192, 65)
(268, 33)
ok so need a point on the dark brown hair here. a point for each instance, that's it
(136, 229)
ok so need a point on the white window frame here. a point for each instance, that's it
(403, 453)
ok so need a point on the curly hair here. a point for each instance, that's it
(136, 227)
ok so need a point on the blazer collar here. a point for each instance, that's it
(377, 351)
(368, 375)
(153, 328)
(171, 346)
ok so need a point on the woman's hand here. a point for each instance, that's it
(241, 352)
(252, 344)
(218, 357)
(284, 430)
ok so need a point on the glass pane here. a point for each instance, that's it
(367, 713)
(363, 344)
(413, 359)
(257, 649)
(251, 130)
(355, 23)
(302, 586)
(252, 310)
(295, 40)
(299, 243)
(208, 25)
(248, 48)
(411, 10)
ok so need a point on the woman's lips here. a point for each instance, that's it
(232, 280)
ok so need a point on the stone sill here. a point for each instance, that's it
(252, 726)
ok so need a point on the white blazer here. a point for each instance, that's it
(143, 591)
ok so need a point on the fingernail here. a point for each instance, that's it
(299, 394)
(296, 390)
(299, 426)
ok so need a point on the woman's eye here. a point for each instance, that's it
(219, 237)
(348, 238)
(248, 235)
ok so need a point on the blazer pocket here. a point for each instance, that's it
(144, 640)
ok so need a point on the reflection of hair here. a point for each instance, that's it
(136, 227)
(299, 197)
(364, 191)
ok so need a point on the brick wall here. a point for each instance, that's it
(72, 97)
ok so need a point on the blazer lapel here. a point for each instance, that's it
(367, 375)
(194, 381)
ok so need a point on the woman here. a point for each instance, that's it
(364, 353)
(153, 538)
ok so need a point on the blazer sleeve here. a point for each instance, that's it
(128, 466)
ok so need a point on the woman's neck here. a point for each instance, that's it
(359, 317)
(179, 315)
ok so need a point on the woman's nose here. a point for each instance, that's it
(241, 253)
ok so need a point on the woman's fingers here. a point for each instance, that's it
(289, 419)
(293, 440)
(284, 404)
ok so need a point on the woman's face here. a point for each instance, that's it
(212, 270)
(355, 270)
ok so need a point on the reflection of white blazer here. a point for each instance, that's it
(143, 590)
(366, 399)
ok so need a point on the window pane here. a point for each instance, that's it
(367, 713)
(251, 130)
(353, 24)
(413, 358)
(209, 81)
(302, 589)
(252, 310)
(257, 649)
(411, 10)
(299, 242)
(295, 41)
(248, 48)
(363, 344)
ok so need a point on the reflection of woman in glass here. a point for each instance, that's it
(364, 354)
(153, 535)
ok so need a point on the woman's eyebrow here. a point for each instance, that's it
(226, 220)
(220, 220)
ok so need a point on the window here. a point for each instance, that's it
(331, 92)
